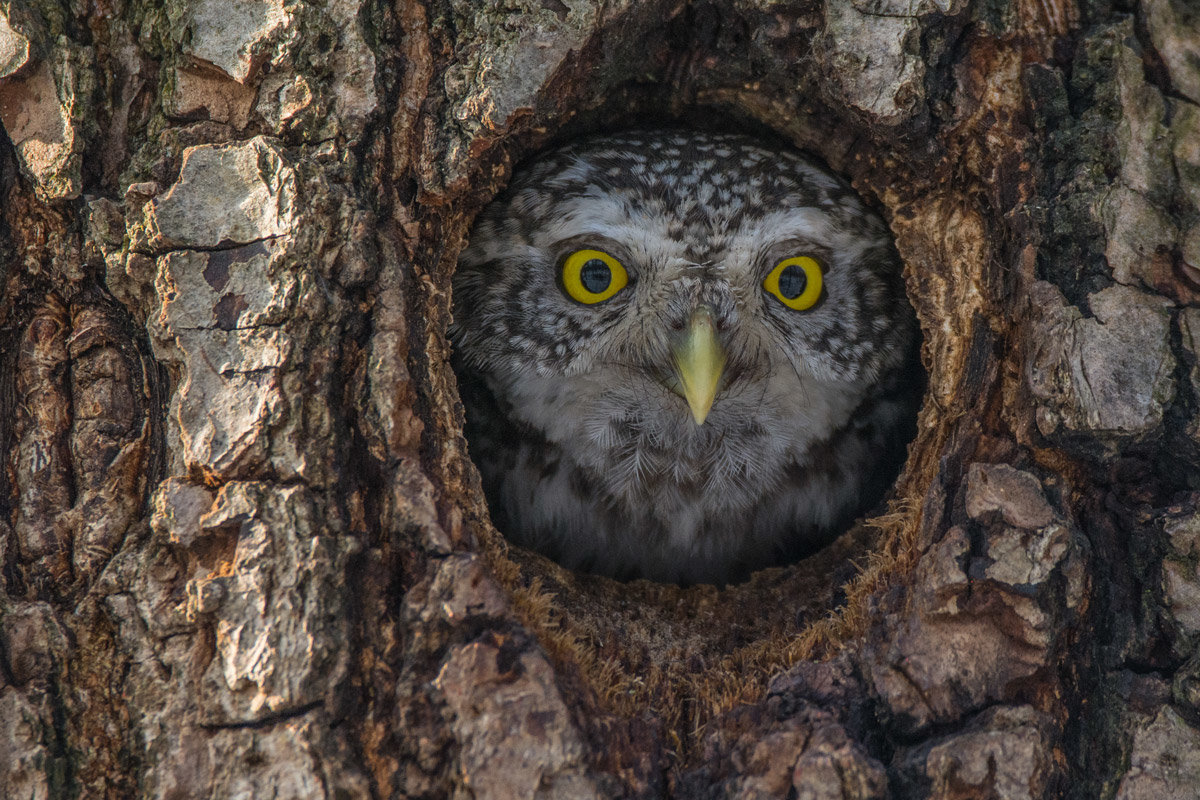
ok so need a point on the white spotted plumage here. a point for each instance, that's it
(587, 451)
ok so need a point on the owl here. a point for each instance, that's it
(683, 356)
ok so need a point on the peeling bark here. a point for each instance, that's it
(243, 551)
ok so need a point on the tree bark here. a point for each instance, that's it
(244, 551)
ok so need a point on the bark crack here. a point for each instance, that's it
(263, 722)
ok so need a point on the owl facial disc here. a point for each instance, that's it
(699, 360)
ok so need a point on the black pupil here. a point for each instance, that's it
(792, 281)
(595, 276)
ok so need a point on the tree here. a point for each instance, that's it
(244, 550)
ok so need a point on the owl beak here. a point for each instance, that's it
(699, 360)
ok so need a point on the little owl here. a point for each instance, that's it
(684, 356)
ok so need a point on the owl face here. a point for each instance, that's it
(679, 313)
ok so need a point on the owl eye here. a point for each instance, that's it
(796, 282)
(592, 276)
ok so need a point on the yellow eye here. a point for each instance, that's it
(796, 282)
(592, 276)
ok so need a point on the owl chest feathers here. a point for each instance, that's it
(619, 479)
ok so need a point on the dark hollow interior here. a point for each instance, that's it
(689, 652)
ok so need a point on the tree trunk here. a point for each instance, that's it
(245, 553)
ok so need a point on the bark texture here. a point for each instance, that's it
(243, 551)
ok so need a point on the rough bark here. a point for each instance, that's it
(243, 549)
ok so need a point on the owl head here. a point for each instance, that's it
(701, 265)
(673, 309)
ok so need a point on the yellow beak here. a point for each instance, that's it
(699, 360)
